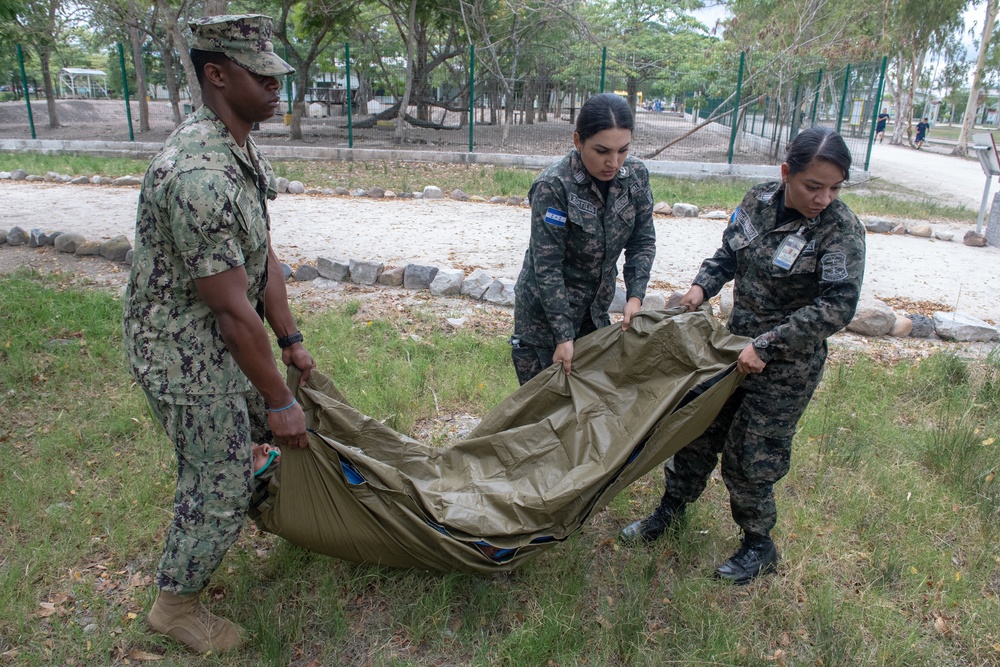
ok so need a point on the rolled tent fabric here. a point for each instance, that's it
(530, 475)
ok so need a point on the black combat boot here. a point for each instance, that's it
(756, 556)
(654, 525)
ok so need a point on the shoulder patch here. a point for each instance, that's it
(582, 204)
(635, 188)
(554, 216)
(623, 172)
(743, 219)
(834, 267)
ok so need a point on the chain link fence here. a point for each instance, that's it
(680, 116)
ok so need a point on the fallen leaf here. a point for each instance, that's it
(46, 609)
(136, 654)
(942, 626)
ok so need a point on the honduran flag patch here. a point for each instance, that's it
(554, 216)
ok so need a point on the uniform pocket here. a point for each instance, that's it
(252, 225)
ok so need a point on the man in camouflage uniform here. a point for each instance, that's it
(203, 279)
(567, 281)
(789, 313)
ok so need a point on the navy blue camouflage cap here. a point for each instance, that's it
(246, 38)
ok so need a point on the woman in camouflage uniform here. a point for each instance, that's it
(797, 254)
(585, 210)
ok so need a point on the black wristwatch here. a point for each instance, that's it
(288, 341)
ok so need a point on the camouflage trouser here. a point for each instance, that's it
(211, 438)
(753, 432)
(529, 360)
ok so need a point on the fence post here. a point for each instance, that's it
(843, 98)
(819, 83)
(736, 108)
(472, 92)
(350, 101)
(604, 64)
(777, 120)
(767, 108)
(24, 87)
(128, 107)
(878, 103)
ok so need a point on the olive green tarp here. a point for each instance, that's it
(536, 468)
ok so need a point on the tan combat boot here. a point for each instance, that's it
(185, 618)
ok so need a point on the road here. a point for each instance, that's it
(945, 179)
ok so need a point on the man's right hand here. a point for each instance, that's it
(694, 298)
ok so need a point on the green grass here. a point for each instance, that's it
(888, 520)
(488, 181)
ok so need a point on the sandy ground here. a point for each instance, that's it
(493, 237)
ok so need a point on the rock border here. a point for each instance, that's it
(873, 317)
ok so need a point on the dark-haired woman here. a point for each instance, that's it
(585, 210)
(797, 254)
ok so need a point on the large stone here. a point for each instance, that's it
(921, 231)
(69, 242)
(392, 277)
(923, 326)
(962, 327)
(898, 230)
(654, 302)
(35, 178)
(879, 225)
(341, 191)
(674, 299)
(974, 239)
(433, 192)
(306, 273)
(662, 208)
(500, 292)
(873, 318)
(376, 192)
(286, 270)
(497, 199)
(514, 200)
(418, 276)
(129, 256)
(902, 327)
(618, 302)
(51, 238)
(458, 195)
(447, 282)
(3, 236)
(364, 272)
(717, 215)
(79, 180)
(115, 249)
(476, 284)
(127, 181)
(681, 210)
(18, 175)
(333, 269)
(295, 188)
(101, 180)
(281, 184)
(37, 238)
(4, 175)
(942, 235)
(88, 249)
(17, 236)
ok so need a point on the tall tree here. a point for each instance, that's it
(42, 23)
(977, 77)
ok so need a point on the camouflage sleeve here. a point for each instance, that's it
(720, 268)
(548, 250)
(840, 270)
(640, 249)
(203, 218)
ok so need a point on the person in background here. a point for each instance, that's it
(922, 127)
(204, 279)
(586, 210)
(880, 122)
(797, 255)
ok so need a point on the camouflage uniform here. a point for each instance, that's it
(567, 281)
(790, 314)
(202, 211)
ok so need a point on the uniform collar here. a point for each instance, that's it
(205, 113)
(772, 194)
(582, 176)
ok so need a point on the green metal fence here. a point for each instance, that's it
(726, 115)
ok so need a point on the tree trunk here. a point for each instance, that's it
(977, 75)
(140, 71)
(171, 76)
(400, 134)
(215, 7)
(44, 59)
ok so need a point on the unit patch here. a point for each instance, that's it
(743, 219)
(834, 267)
